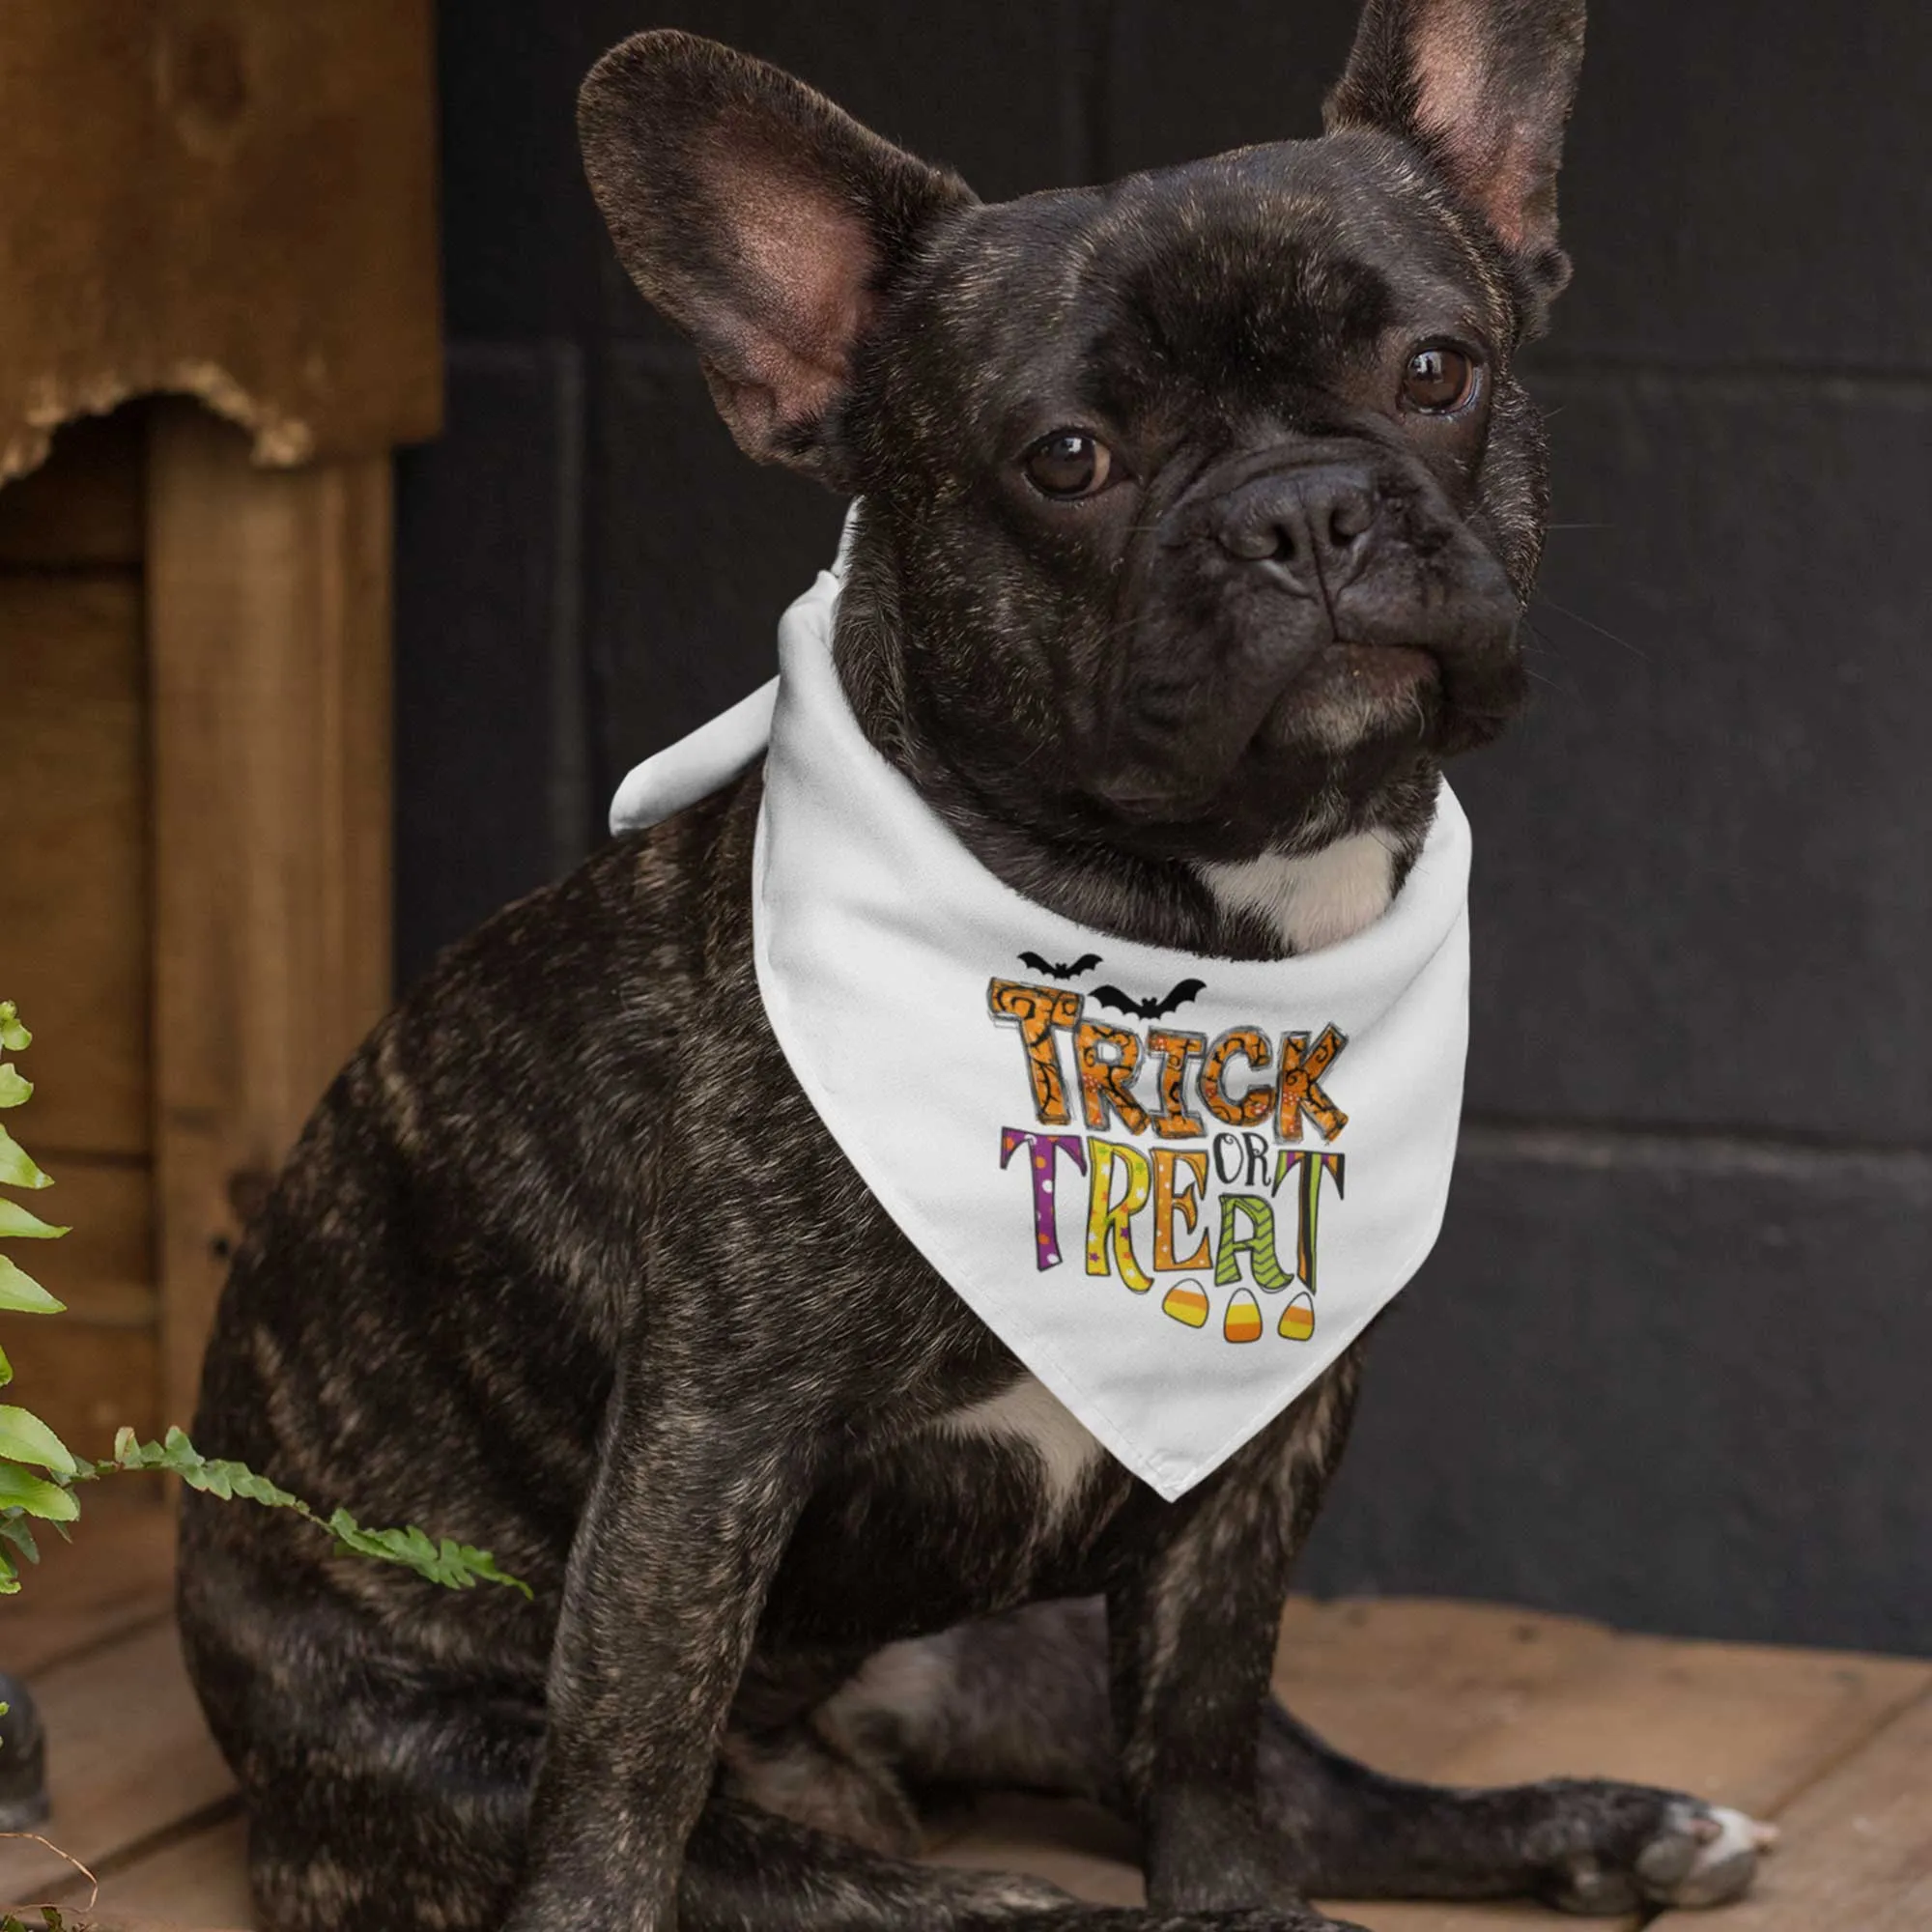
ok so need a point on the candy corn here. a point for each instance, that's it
(1242, 1321)
(1186, 1301)
(1297, 1319)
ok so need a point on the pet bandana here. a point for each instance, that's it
(1176, 1187)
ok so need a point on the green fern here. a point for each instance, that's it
(39, 1474)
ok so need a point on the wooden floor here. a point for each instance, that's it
(1838, 1749)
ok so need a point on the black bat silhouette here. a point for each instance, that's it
(1070, 971)
(1148, 1009)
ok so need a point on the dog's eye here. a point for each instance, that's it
(1438, 380)
(1069, 463)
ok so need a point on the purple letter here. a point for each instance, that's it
(1043, 1152)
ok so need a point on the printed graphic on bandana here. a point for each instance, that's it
(1192, 1168)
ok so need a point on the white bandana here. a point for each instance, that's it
(1176, 1187)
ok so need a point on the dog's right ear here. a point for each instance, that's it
(1484, 88)
(762, 220)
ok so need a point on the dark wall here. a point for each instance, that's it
(1670, 1365)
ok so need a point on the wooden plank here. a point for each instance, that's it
(1857, 1844)
(1404, 1684)
(269, 627)
(103, 1268)
(1472, 1694)
(117, 1921)
(85, 1381)
(128, 1757)
(84, 507)
(124, 1921)
(1748, 1726)
(116, 1576)
(245, 212)
(73, 794)
(199, 1880)
(1743, 1724)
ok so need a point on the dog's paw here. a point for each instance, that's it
(1623, 1848)
(1702, 1855)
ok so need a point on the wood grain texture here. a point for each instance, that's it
(1848, 1739)
(1857, 1844)
(85, 1380)
(197, 1881)
(114, 1577)
(83, 508)
(128, 1754)
(74, 941)
(269, 628)
(104, 1268)
(234, 198)
(1470, 1693)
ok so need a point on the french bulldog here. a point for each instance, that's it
(1197, 517)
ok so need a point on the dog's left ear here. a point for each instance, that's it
(1484, 88)
(766, 223)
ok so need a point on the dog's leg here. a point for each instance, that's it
(1190, 1643)
(748, 1870)
(1021, 1700)
(1583, 1844)
(694, 1502)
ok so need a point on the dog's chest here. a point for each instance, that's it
(1311, 900)
(1030, 1421)
(989, 1505)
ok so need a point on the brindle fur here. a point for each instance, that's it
(566, 1266)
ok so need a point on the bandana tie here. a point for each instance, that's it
(1176, 1186)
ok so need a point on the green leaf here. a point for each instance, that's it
(15, 1221)
(17, 1165)
(14, 1036)
(6, 1369)
(26, 1439)
(183, 1459)
(14, 1092)
(21, 1295)
(14, 1529)
(484, 1564)
(18, 1490)
(455, 1566)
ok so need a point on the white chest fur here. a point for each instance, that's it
(1314, 900)
(1030, 1414)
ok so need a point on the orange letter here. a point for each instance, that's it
(1174, 1122)
(1168, 1201)
(1301, 1066)
(1109, 1083)
(1257, 1102)
(1037, 1011)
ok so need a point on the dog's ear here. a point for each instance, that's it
(1484, 88)
(760, 218)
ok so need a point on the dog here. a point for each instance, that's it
(1197, 517)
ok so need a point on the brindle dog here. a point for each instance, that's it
(1198, 515)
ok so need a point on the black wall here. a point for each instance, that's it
(1673, 1364)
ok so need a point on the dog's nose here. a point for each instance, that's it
(1312, 528)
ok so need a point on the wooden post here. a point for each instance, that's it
(268, 632)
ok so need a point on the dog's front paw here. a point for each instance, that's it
(1212, 1867)
(1609, 1848)
(1205, 1854)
